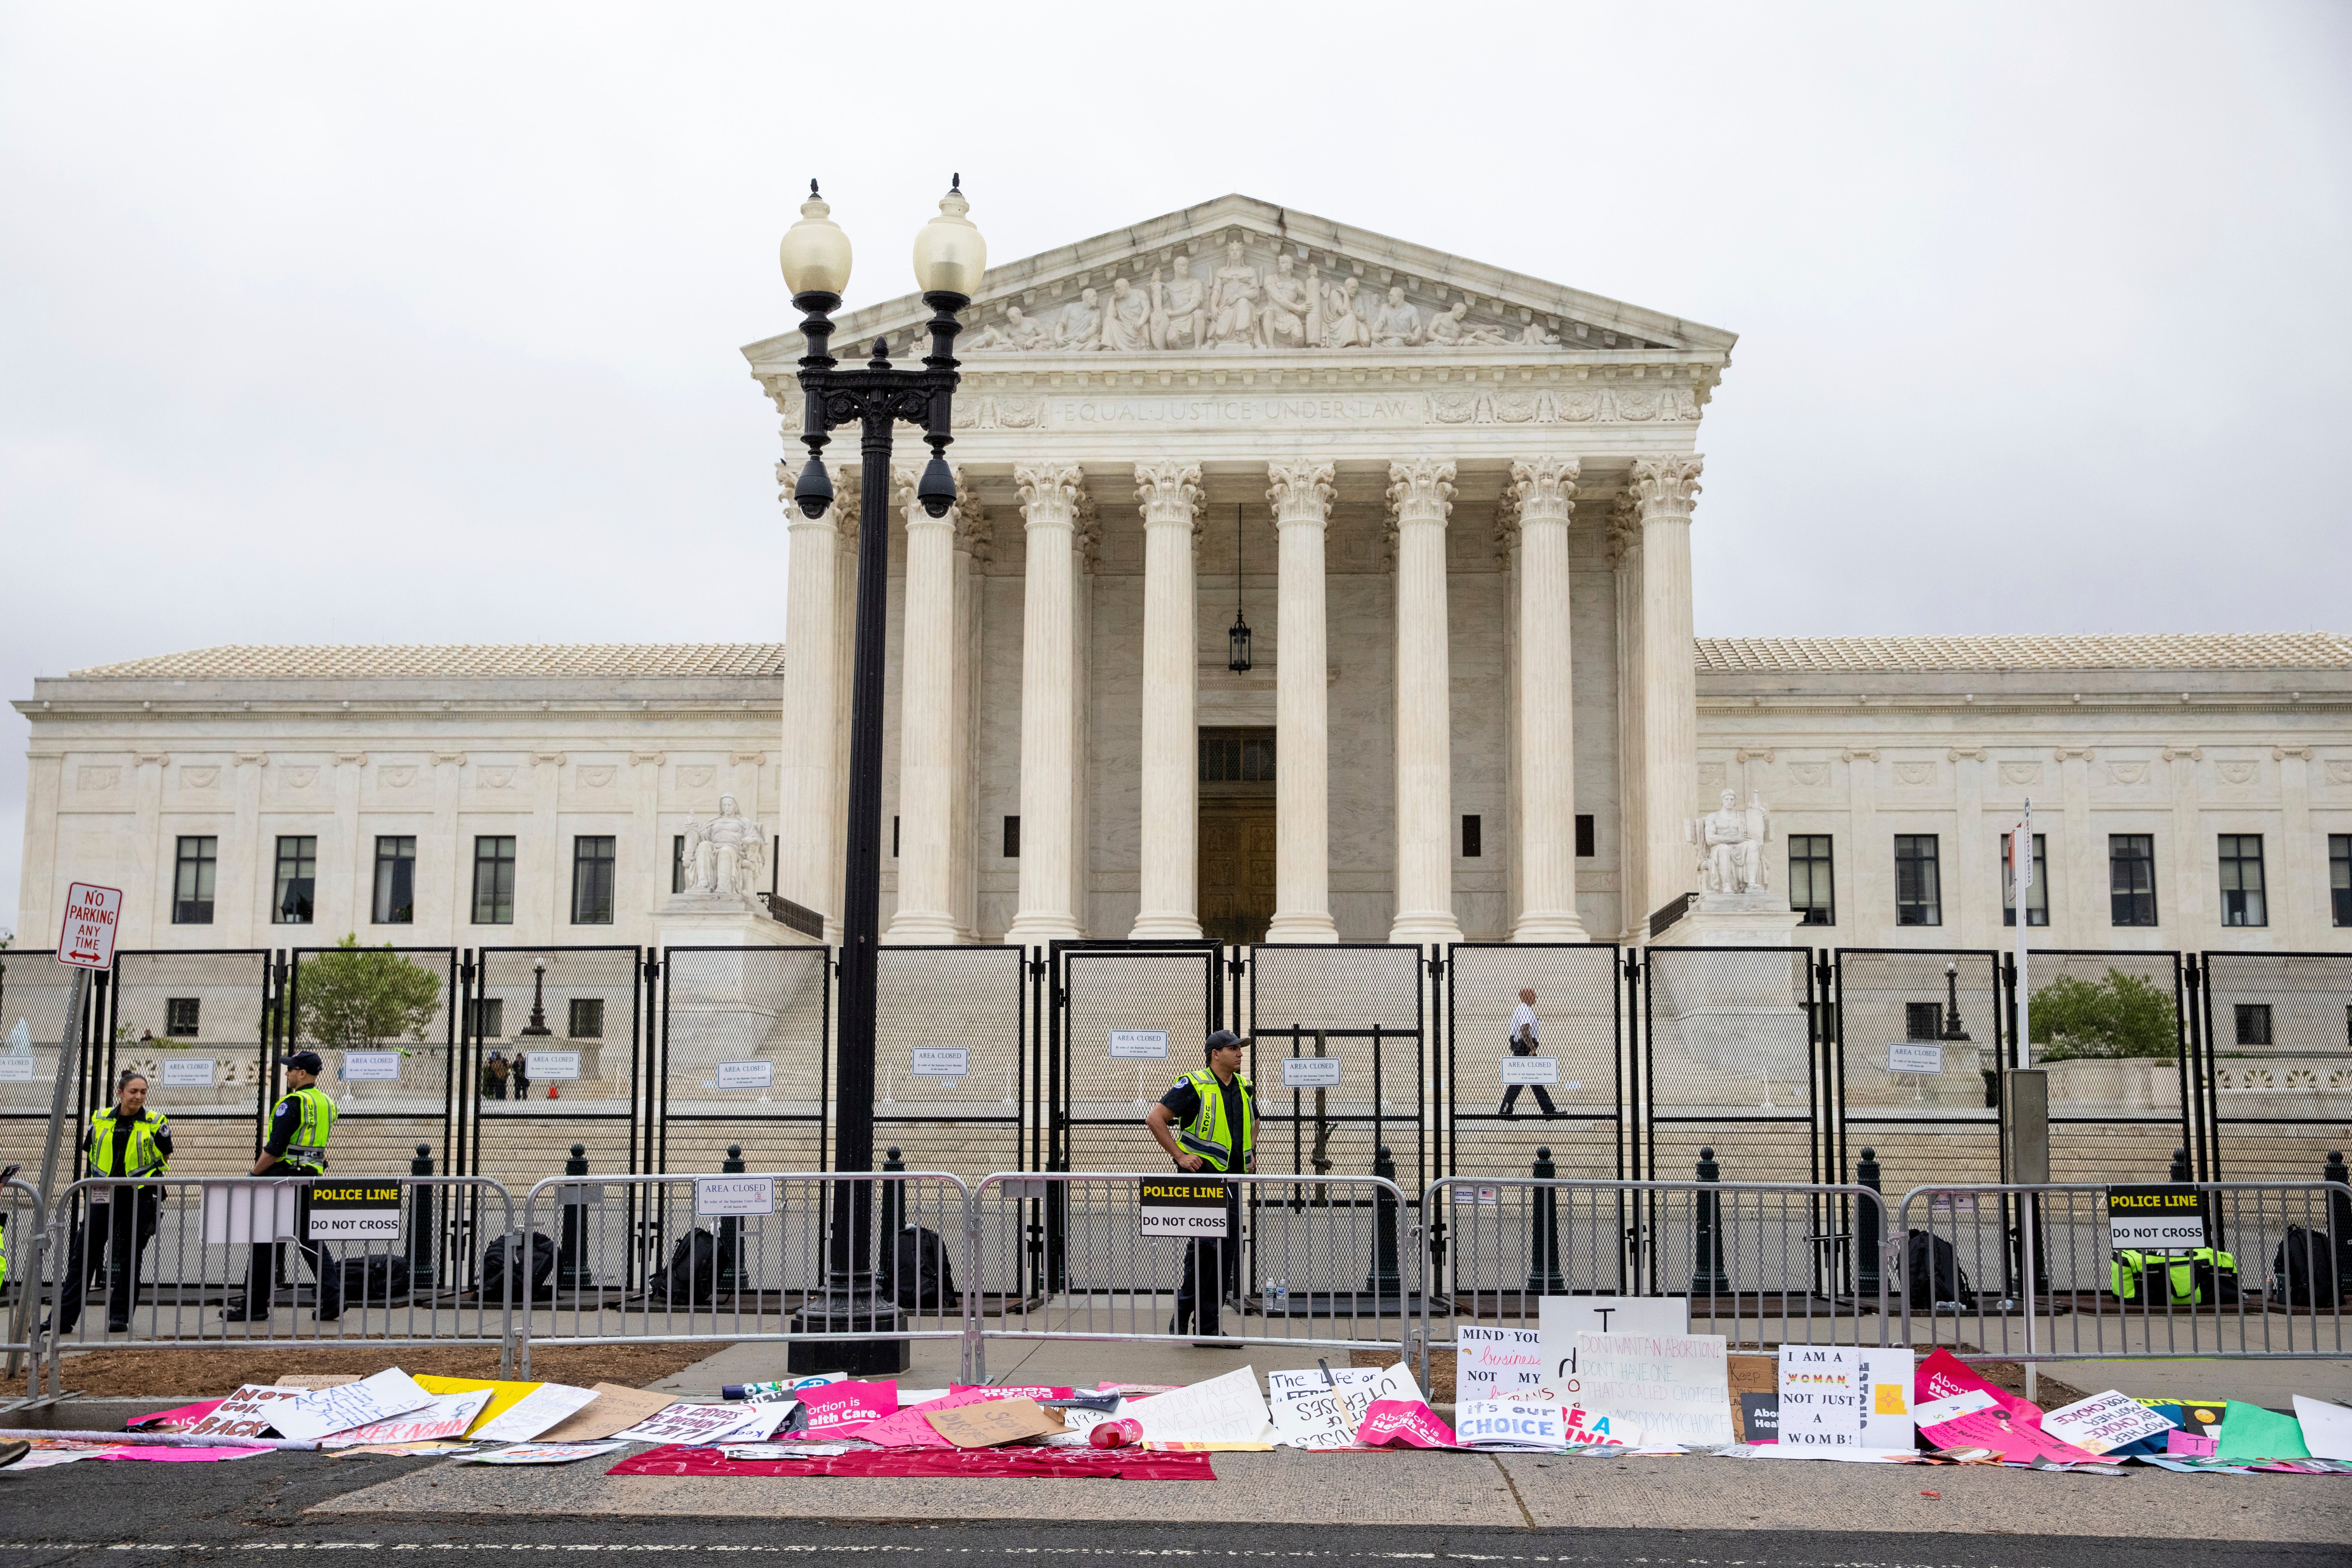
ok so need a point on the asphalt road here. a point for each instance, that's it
(133, 1513)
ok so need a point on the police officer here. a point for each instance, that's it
(1208, 1121)
(299, 1126)
(126, 1138)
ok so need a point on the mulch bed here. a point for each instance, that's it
(138, 1373)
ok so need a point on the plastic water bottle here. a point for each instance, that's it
(1115, 1433)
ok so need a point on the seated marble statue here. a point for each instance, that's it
(1396, 324)
(1126, 323)
(1290, 303)
(1731, 847)
(725, 854)
(1017, 335)
(1081, 324)
(1180, 317)
(1342, 326)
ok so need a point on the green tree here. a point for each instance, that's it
(2121, 1015)
(351, 998)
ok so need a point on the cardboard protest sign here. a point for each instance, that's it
(1491, 1424)
(990, 1422)
(615, 1408)
(1407, 1421)
(448, 1415)
(1565, 1317)
(2011, 1427)
(1496, 1363)
(843, 1409)
(1658, 1388)
(1226, 1409)
(2326, 1427)
(2190, 1446)
(1844, 1396)
(2104, 1422)
(504, 1395)
(251, 1412)
(1760, 1417)
(2250, 1433)
(543, 1407)
(1324, 1417)
(909, 1429)
(322, 1412)
(702, 1425)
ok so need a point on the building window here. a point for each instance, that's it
(297, 875)
(192, 891)
(486, 1017)
(894, 838)
(494, 869)
(1236, 756)
(2037, 897)
(2254, 1023)
(1472, 839)
(592, 881)
(2242, 880)
(1918, 885)
(1584, 849)
(1013, 838)
(1922, 1020)
(677, 863)
(2339, 876)
(1812, 886)
(180, 1015)
(395, 880)
(587, 1019)
(2131, 878)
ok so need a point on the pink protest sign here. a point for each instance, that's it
(908, 1429)
(844, 1409)
(2012, 1428)
(1406, 1421)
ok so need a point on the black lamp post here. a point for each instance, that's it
(1237, 640)
(1952, 1030)
(949, 257)
(536, 1028)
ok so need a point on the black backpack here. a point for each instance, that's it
(374, 1279)
(2302, 1270)
(692, 1276)
(496, 1271)
(919, 1274)
(1933, 1272)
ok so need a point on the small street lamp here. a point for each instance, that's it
(537, 1029)
(1952, 1030)
(949, 257)
(1237, 658)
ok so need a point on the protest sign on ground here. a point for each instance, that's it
(251, 1412)
(702, 1425)
(615, 1408)
(987, 1424)
(1496, 1363)
(843, 1409)
(2326, 1427)
(320, 1413)
(2250, 1433)
(1492, 1424)
(2104, 1422)
(908, 1428)
(448, 1415)
(1657, 1388)
(543, 1407)
(2009, 1426)
(1565, 1317)
(542, 1453)
(1227, 1409)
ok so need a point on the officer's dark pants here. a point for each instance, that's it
(1511, 1097)
(117, 1230)
(1210, 1259)
(261, 1279)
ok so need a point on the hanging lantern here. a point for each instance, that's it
(1237, 640)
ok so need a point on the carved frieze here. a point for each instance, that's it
(396, 777)
(696, 778)
(1811, 775)
(2128, 773)
(302, 778)
(2236, 773)
(596, 777)
(199, 778)
(95, 779)
(1914, 773)
(2021, 773)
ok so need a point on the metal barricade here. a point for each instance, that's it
(735, 1256)
(24, 1230)
(166, 1257)
(2031, 1273)
(1320, 1262)
(1763, 1264)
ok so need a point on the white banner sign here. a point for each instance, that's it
(1562, 1318)
(193, 1072)
(371, 1067)
(1310, 1072)
(747, 1075)
(16, 1070)
(943, 1061)
(561, 1066)
(1139, 1043)
(724, 1195)
(236, 1216)
(1913, 1057)
(1531, 1070)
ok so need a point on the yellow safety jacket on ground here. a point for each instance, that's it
(307, 1150)
(1206, 1134)
(141, 1157)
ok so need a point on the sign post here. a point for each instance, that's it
(85, 942)
(2020, 879)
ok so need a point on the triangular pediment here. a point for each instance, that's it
(1239, 276)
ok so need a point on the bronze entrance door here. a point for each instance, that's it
(1236, 833)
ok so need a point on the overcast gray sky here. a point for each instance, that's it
(419, 323)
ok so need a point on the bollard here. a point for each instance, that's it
(2339, 1218)
(2180, 1176)
(1543, 1250)
(571, 1271)
(1384, 1283)
(1708, 1275)
(423, 1234)
(730, 1232)
(887, 1222)
(1866, 1248)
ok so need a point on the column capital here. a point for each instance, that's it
(1543, 489)
(1421, 490)
(1300, 491)
(1169, 493)
(1051, 494)
(1664, 488)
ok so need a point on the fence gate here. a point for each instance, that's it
(2279, 1080)
(1731, 1060)
(572, 1018)
(1362, 1007)
(1940, 1126)
(744, 1060)
(384, 1018)
(2112, 1032)
(205, 1028)
(1580, 1012)
(953, 1078)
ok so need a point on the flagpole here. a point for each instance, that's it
(2021, 860)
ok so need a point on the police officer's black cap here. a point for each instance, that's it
(309, 1061)
(1221, 1040)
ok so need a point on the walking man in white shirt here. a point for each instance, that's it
(1527, 1040)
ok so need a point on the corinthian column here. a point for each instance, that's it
(1421, 493)
(1301, 496)
(1543, 494)
(1662, 489)
(1170, 498)
(808, 869)
(926, 758)
(1049, 771)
